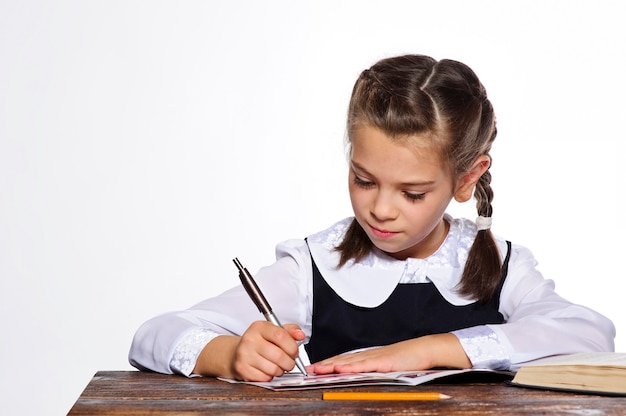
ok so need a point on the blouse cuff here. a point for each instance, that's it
(188, 349)
(484, 348)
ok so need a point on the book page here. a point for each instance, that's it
(609, 359)
(297, 381)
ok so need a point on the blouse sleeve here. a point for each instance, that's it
(538, 322)
(170, 343)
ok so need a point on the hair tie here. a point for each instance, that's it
(483, 223)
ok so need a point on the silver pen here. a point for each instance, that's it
(261, 303)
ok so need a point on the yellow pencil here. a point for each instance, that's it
(423, 395)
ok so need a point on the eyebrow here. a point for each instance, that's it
(354, 165)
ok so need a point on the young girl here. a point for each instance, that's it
(401, 275)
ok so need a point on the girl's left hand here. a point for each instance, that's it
(440, 350)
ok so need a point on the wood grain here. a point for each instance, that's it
(138, 393)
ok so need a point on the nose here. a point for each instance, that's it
(383, 208)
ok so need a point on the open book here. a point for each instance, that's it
(296, 381)
(598, 373)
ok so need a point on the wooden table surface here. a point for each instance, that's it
(137, 393)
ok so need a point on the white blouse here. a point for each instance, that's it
(538, 322)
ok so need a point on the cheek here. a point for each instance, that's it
(354, 193)
(438, 206)
(358, 198)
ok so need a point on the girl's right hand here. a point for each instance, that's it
(266, 351)
(261, 353)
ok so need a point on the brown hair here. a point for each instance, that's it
(415, 94)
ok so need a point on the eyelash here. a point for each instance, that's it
(412, 197)
(362, 183)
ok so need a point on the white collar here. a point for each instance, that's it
(371, 281)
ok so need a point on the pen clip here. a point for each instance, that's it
(251, 287)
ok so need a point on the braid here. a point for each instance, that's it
(484, 195)
(483, 268)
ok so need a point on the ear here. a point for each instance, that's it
(467, 181)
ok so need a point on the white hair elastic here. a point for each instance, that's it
(483, 223)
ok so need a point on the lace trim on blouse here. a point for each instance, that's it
(188, 349)
(483, 348)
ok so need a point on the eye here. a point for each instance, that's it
(414, 196)
(362, 183)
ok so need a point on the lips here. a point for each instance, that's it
(382, 233)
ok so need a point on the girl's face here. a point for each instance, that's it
(399, 193)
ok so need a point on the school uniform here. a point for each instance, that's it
(381, 300)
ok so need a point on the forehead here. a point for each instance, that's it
(382, 155)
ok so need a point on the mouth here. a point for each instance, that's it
(382, 233)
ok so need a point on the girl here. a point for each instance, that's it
(427, 290)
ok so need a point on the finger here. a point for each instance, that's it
(263, 363)
(258, 371)
(278, 358)
(259, 356)
(290, 327)
(331, 367)
(355, 362)
(279, 347)
(321, 368)
(283, 338)
(295, 332)
(355, 367)
(341, 359)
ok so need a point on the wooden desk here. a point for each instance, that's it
(137, 393)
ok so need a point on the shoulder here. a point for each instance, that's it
(332, 236)
(296, 253)
(463, 231)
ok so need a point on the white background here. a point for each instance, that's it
(144, 144)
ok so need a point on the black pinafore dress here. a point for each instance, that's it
(412, 310)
